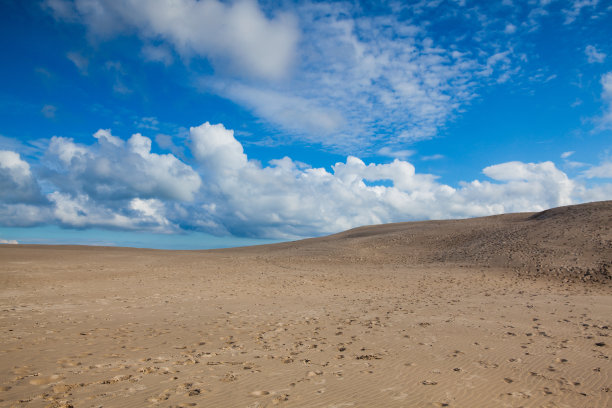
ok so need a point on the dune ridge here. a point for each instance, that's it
(506, 311)
(571, 243)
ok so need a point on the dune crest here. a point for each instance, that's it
(572, 243)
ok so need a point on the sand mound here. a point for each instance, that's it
(570, 243)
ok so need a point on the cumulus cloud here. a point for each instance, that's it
(217, 149)
(25, 215)
(234, 36)
(593, 55)
(287, 200)
(535, 182)
(114, 169)
(120, 184)
(81, 211)
(112, 183)
(17, 183)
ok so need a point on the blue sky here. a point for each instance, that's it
(202, 124)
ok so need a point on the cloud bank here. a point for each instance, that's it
(121, 184)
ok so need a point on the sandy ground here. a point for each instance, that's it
(475, 313)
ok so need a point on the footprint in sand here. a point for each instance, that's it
(280, 398)
(62, 388)
(65, 363)
(161, 397)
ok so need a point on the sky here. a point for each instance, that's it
(191, 124)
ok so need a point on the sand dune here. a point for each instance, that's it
(504, 311)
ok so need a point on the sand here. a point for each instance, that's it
(503, 311)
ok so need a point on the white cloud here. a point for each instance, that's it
(66, 150)
(166, 142)
(571, 164)
(574, 11)
(604, 170)
(293, 113)
(24, 215)
(118, 73)
(432, 157)
(593, 55)
(605, 121)
(147, 122)
(114, 168)
(233, 36)
(17, 183)
(215, 147)
(122, 185)
(544, 181)
(286, 200)
(79, 61)
(399, 154)
(101, 186)
(157, 54)
(8, 241)
(575, 164)
(49, 111)
(105, 136)
(360, 80)
(152, 208)
(121, 88)
(82, 212)
(499, 62)
(601, 192)
(61, 9)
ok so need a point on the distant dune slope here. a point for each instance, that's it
(571, 243)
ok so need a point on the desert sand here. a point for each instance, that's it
(505, 311)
